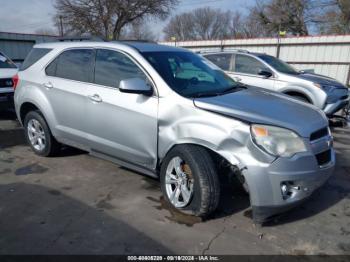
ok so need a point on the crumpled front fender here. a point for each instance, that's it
(184, 123)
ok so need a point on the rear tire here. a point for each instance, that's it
(39, 136)
(190, 170)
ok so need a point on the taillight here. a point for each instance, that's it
(15, 80)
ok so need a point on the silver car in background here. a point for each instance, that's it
(173, 115)
(265, 71)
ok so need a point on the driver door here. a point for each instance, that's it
(121, 125)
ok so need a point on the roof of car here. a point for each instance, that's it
(231, 52)
(140, 46)
(151, 47)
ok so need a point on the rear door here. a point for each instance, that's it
(246, 70)
(68, 78)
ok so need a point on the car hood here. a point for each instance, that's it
(254, 105)
(8, 73)
(320, 79)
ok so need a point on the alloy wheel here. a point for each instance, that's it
(179, 182)
(36, 134)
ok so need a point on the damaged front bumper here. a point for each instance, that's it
(286, 182)
(331, 109)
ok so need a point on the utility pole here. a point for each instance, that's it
(61, 25)
(278, 42)
(280, 34)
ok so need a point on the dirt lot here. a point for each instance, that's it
(77, 204)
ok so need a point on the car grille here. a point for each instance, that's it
(324, 158)
(6, 82)
(319, 134)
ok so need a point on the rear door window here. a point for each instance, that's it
(248, 65)
(221, 60)
(112, 67)
(75, 64)
(34, 56)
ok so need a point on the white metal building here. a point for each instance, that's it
(327, 55)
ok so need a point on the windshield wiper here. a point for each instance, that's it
(226, 91)
(232, 88)
(203, 94)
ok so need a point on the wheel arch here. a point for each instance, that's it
(25, 108)
(221, 161)
(32, 98)
(30, 105)
(229, 157)
(298, 93)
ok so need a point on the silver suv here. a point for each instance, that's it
(169, 113)
(262, 70)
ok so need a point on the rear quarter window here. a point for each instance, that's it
(34, 56)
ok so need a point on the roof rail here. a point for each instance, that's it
(137, 41)
(80, 38)
(241, 50)
(222, 51)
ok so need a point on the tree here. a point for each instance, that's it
(200, 24)
(245, 27)
(107, 18)
(181, 27)
(292, 16)
(139, 30)
(237, 26)
(335, 18)
(211, 23)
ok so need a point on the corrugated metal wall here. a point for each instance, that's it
(17, 46)
(327, 55)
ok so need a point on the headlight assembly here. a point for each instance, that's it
(277, 141)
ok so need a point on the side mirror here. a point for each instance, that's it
(265, 73)
(135, 86)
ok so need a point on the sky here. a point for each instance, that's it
(28, 16)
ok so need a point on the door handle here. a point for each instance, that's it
(237, 79)
(48, 85)
(95, 98)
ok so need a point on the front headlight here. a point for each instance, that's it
(277, 141)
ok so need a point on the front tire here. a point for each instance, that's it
(189, 180)
(39, 136)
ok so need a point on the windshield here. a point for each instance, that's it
(5, 62)
(189, 74)
(279, 65)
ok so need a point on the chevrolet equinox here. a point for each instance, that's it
(169, 113)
